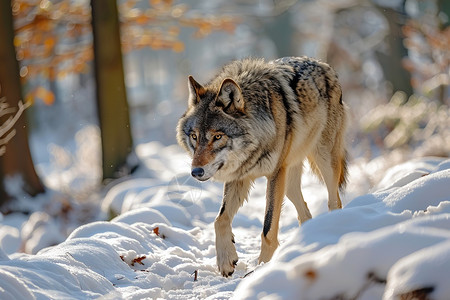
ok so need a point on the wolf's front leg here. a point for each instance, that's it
(225, 250)
(234, 194)
(276, 185)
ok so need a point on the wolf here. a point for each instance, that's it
(260, 118)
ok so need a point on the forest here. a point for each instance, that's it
(90, 95)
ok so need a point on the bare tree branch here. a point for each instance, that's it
(6, 129)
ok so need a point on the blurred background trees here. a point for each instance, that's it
(392, 57)
(15, 156)
(55, 40)
(112, 105)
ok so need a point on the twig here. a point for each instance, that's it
(195, 273)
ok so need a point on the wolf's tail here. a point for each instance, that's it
(344, 172)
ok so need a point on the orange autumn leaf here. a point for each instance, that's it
(156, 230)
(142, 19)
(29, 98)
(178, 47)
(45, 95)
(49, 42)
(138, 260)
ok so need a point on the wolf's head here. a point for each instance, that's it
(214, 130)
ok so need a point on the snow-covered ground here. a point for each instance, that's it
(391, 238)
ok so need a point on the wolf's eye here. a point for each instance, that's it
(193, 136)
(217, 137)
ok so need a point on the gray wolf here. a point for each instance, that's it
(259, 118)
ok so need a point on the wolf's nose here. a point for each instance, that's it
(198, 172)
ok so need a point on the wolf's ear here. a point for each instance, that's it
(195, 91)
(230, 97)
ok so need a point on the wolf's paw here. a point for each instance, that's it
(226, 267)
(226, 259)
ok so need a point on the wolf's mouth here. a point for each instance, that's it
(200, 174)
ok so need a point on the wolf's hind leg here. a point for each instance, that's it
(274, 199)
(294, 192)
(326, 165)
(235, 193)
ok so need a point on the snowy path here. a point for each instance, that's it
(161, 243)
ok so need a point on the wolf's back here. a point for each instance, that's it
(307, 69)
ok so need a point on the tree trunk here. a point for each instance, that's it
(17, 158)
(111, 93)
(444, 7)
(391, 62)
(3, 195)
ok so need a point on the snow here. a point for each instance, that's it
(159, 242)
(380, 245)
